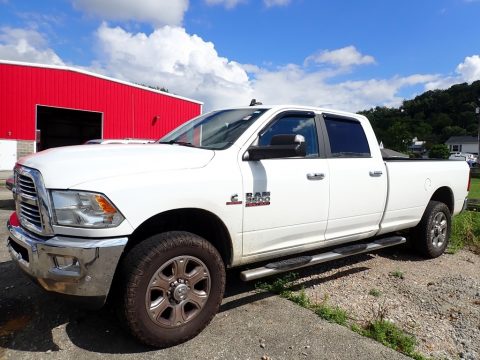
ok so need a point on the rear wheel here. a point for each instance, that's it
(432, 234)
(173, 286)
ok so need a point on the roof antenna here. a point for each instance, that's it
(255, 102)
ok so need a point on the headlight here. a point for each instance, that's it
(84, 209)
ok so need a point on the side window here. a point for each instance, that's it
(293, 125)
(347, 138)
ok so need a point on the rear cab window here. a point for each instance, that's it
(346, 137)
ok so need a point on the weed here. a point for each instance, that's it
(280, 285)
(330, 313)
(356, 328)
(301, 298)
(375, 292)
(465, 232)
(380, 310)
(390, 335)
(474, 192)
(397, 274)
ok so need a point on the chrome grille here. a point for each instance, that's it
(27, 203)
(26, 185)
(31, 213)
(31, 201)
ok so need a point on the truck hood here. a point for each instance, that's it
(69, 166)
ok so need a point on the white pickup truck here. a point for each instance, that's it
(162, 222)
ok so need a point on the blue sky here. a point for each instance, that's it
(344, 54)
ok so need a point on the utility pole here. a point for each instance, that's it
(477, 112)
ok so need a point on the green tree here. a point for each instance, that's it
(453, 131)
(439, 151)
(398, 137)
(433, 116)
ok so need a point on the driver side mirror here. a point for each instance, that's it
(281, 146)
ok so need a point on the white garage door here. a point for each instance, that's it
(8, 154)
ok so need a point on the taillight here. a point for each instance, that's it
(469, 178)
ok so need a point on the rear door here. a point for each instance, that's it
(358, 178)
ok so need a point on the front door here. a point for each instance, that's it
(286, 199)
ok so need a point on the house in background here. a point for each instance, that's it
(417, 146)
(463, 144)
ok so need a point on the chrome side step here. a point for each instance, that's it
(304, 261)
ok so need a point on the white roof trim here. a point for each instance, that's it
(85, 72)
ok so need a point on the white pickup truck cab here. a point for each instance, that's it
(237, 186)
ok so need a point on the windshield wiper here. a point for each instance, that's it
(176, 142)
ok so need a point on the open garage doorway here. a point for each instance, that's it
(61, 127)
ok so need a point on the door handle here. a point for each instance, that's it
(376, 173)
(315, 176)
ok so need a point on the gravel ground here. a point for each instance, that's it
(436, 300)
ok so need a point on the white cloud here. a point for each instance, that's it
(156, 12)
(190, 66)
(344, 57)
(169, 57)
(271, 3)
(469, 69)
(293, 84)
(26, 45)
(229, 4)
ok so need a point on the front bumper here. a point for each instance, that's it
(78, 267)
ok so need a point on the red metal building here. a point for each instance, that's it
(44, 106)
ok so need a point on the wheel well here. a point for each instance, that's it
(444, 195)
(197, 221)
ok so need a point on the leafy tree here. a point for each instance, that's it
(439, 151)
(399, 138)
(453, 131)
(155, 87)
(433, 116)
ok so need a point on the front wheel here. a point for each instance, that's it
(173, 286)
(432, 234)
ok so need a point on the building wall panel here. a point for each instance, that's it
(128, 111)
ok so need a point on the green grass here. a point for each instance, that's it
(330, 313)
(283, 286)
(378, 329)
(397, 274)
(375, 292)
(465, 232)
(392, 336)
(474, 189)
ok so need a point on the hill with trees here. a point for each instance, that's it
(433, 117)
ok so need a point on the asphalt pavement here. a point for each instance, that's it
(37, 325)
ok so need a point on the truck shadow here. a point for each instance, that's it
(33, 321)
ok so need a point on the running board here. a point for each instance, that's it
(304, 261)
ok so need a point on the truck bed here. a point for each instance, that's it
(412, 183)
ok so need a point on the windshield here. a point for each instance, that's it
(216, 130)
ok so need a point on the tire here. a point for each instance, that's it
(172, 286)
(432, 234)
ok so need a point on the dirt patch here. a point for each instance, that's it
(12, 320)
(436, 300)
